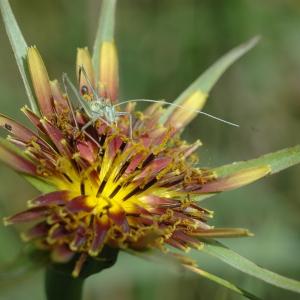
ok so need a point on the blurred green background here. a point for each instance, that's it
(163, 46)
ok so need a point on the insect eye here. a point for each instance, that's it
(84, 90)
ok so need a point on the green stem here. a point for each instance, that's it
(62, 286)
(59, 283)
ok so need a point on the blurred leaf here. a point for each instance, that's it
(28, 260)
(205, 82)
(105, 31)
(241, 263)
(222, 282)
(277, 161)
(19, 47)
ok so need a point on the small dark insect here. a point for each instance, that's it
(8, 127)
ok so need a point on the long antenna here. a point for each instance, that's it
(179, 106)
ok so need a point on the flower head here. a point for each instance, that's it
(130, 183)
(114, 178)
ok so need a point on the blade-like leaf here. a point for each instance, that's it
(19, 47)
(222, 282)
(278, 161)
(205, 82)
(169, 260)
(105, 31)
(241, 263)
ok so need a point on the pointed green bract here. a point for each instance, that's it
(19, 47)
(205, 82)
(241, 263)
(105, 31)
(277, 161)
(40, 184)
(223, 283)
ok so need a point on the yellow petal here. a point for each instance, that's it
(109, 71)
(40, 81)
(189, 110)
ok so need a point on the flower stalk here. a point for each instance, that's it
(62, 286)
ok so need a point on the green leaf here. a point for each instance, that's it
(241, 263)
(277, 161)
(222, 282)
(154, 255)
(19, 47)
(205, 82)
(105, 31)
(40, 184)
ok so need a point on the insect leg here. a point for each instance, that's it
(88, 124)
(64, 77)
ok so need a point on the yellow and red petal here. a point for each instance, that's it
(182, 116)
(59, 100)
(16, 161)
(37, 231)
(33, 118)
(79, 204)
(28, 215)
(40, 81)
(57, 137)
(236, 180)
(84, 61)
(101, 226)
(109, 71)
(53, 198)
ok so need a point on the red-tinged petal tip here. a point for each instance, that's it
(26, 216)
(16, 129)
(236, 180)
(16, 161)
(40, 81)
(54, 198)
